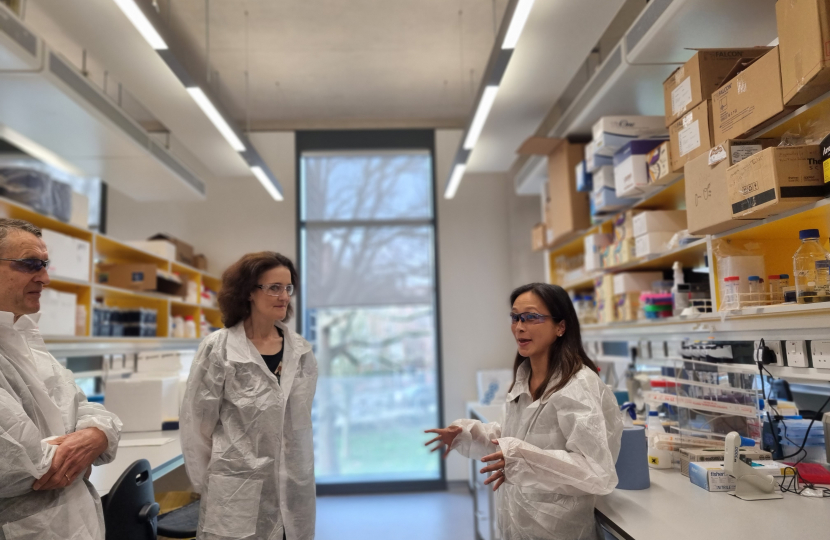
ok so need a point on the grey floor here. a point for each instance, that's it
(442, 515)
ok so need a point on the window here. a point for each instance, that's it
(368, 304)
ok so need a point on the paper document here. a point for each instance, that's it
(145, 442)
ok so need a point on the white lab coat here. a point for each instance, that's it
(247, 439)
(559, 453)
(39, 400)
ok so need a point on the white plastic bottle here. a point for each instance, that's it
(680, 300)
(189, 327)
(653, 426)
(178, 326)
(804, 267)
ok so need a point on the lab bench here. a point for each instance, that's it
(163, 459)
(673, 508)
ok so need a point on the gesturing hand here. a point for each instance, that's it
(497, 466)
(75, 454)
(445, 437)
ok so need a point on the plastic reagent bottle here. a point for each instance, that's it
(653, 427)
(804, 267)
(680, 301)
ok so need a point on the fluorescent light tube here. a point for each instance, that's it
(141, 23)
(455, 180)
(517, 24)
(266, 182)
(483, 110)
(207, 107)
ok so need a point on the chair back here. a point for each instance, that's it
(130, 509)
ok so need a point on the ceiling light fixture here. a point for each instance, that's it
(210, 111)
(488, 97)
(142, 24)
(455, 180)
(517, 24)
(266, 182)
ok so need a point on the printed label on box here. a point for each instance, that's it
(689, 138)
(716, 155)
(741, 152)
(681, 96)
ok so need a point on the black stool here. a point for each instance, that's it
(181, 522)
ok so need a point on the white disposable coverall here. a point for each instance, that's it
(559, 454)
(39, 400)
(247, 439)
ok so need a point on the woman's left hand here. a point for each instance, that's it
(497, 466)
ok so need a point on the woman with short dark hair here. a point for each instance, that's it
(246, 417)
(558, 445)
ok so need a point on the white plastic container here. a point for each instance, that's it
(731, 290)
(189, 327)
(178, 327)
(756, 290)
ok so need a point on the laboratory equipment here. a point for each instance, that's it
(732, 288)
(823, 278)
(756, 290)
(750, 485)
(777, 283)
(805, 267)
(632, 463)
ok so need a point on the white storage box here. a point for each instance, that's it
(659, 221)
(606, 200)
(159, 362)
(613, 132)
(69, 256)
(652, 243)
(594, 162)
(631, 177)
(58, 311)
(80, 210)
(635, 282)
(604, 178)
(143, 403)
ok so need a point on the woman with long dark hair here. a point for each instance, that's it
(561, 436)
(246, 417)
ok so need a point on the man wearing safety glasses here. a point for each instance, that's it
(50, 435)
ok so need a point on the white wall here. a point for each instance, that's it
(483, 241)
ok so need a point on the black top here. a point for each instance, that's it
(274, 361)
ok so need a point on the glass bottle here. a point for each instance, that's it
(804, 267)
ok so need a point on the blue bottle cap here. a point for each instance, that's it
(784, 276)
(653, 413)
(747, 442)
(754, 278)
(808, 233)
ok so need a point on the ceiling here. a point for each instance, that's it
(331, 63)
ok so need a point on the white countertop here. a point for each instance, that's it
(675, 508)
(163, 459)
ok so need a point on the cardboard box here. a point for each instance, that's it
(604, 178)
(624, 225)
(775, 180)
(583, 178)
(635, 282)
(804, 46)
(538, 237)
(69, 256)
(631, 167)
(593, 161)
(622, 252)
(200, 262)
(710, 479)
(825, 158)
(659, 221)
(57, 313)
(611, 133)
(184, 251)
(160, 248)
(652, 244)
(691, 135)
(700, 455)
(695, 80)
(594, 245)
(659, 165)
(748, 100)
(604, 291)
(708, 210)
(134, 276)
(627, 307)
(569, 210)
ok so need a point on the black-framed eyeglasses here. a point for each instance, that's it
(276, 289)
(29, 265)
(530, 318)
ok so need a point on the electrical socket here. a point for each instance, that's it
(774, 346)
(798, 354)
(821, 354)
